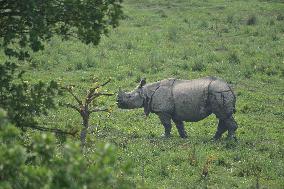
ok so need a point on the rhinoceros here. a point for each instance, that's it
(184, 100)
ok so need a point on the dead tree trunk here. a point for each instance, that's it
(85, 115)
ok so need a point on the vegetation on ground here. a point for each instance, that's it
(44, 163)
(239, 41)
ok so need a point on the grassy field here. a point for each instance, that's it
(239, 41)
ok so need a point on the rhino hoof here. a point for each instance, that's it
(184, 136)
(232, 138)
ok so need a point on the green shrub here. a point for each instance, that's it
(230, 19)
(24, 101)
(233, 58)
(280, 17)
(40, 165)
(173, 34)
(198, 66)
(251, 20)
(79, 66)
(203, 24)
(185, 66)
(90, 62)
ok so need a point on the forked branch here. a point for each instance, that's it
(93, 92)
(69, 89)
(99, 110)
(53, 130)
(68, 105)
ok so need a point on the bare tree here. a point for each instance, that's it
(85, 106)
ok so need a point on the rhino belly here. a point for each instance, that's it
(190, 99)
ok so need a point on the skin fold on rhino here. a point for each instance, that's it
(184, 100)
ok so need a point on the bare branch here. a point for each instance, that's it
(99, 110)
(105, 94)
(106, 82)
(72, 106)
(53, 130)
(71, 92)
(93, 90)
(90, 94)
(99, 94)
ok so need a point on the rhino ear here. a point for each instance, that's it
(142, 82)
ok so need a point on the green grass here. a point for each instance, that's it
(239, 41)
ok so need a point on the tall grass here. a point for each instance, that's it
(239, 41)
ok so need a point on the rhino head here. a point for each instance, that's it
(133, 99)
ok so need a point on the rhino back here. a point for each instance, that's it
(190, 98)
(163, 97)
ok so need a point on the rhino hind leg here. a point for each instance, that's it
(166, 121)
(232, 127)
(222, 103)
(180, 128)
(221, 129)
(228, 124)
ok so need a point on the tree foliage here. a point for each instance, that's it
(23, 101)
(39, 165)
(24, 26)
(27, 23)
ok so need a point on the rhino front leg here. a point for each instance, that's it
(180, 128)
(166, 121)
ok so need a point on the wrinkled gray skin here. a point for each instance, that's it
(185, 100)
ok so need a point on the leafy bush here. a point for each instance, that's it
(25, 26)
(233, 58)
(198, 66)
(29, 23)
(40, 165)
(21, 100)
(251, 20)
(173, 34)
(230, 19)
(280, 17)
